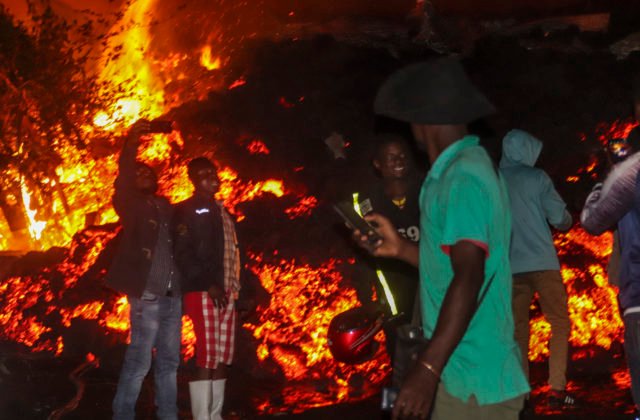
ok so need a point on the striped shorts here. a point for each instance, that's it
(214, 329)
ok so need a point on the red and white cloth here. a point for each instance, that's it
(231, 255)
(214, 328)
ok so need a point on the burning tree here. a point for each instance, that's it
(46, 96)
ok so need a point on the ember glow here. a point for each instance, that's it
(617, 130)
(134, 82)
(257, 147)
(127, 70)
(208, 61)
(604, 132)
(593, 306)
(304, 207)
(237, 83)
(40, 310)
(293, 332)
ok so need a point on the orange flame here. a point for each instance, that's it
(616, 129)
(293, 329)
(304, 207)
(126, 69)
(237, 83)
(35, 226)
(207, 60)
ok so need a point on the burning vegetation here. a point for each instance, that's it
(66, 203)
(260, 109)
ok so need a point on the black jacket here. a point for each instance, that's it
(139, 217)
(401, 277)
(199, 244)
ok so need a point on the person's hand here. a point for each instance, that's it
(417, 394)
(388, 246)
(139, 128)
(218, 296)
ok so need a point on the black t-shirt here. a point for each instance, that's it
(401, 277)
(405, 219)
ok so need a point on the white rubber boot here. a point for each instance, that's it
(200, 393)
(217, 399)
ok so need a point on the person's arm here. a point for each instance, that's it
(459, 306)
(610, 201)
(125, 183)
(554, 207)
(466, 219)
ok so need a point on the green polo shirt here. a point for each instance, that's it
(462, 198)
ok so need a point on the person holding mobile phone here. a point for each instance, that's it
(471, 366)
(394, 194)
(206, 250)
(143, 269)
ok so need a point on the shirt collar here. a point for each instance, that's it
(448, 154)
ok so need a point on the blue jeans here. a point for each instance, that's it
(155, 322)
(632, 352)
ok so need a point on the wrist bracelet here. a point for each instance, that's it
(431, 368)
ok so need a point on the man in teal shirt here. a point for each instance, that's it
(472, 360)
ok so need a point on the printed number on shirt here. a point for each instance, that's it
(412, 233)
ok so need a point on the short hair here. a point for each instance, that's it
(382, 140)
(198, 163)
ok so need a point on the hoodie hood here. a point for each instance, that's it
(519, 148)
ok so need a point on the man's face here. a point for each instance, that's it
(146, 179)
(206, 180)
(393, 161)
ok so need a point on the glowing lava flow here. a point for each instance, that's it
(593, 306)
(40, 309)
(134, 84)
(293, 333)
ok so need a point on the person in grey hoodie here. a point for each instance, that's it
(535, 205)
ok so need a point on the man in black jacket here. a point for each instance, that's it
(394, 195)
(207, 255)
(144, 270)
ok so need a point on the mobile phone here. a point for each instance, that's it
(355, 221)
(160, 126)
